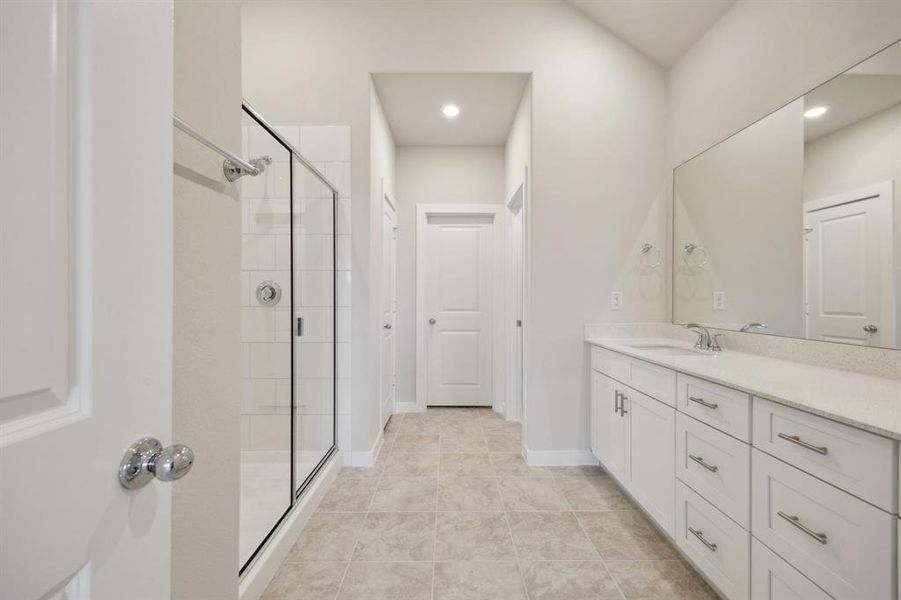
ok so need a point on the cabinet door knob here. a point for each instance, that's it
(431, 321)
(870, 328)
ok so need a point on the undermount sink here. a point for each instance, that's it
(670, 349)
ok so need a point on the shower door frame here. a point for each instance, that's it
(297, 491)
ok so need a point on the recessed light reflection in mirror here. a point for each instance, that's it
(816, 112)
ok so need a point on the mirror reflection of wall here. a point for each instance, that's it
(792, 226)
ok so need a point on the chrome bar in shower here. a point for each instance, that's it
(234, 166)
(300, 157)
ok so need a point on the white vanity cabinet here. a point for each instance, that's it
(610, 427)
(633, 436)
(766, 501)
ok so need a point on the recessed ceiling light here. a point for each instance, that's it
(816, 112)
(451, 111)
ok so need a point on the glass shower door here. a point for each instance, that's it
(266, 341)
(314, 284)
(288, 323)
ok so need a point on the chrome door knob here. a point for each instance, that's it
(870, 328)
(387, 325)
(431, 321)
(146, 459)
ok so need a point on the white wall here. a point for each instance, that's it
(598, 122)
(518, 148)
(433, 175)
(207, 249)
(366, 410)
(861, 154)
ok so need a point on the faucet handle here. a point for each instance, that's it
(714, 344)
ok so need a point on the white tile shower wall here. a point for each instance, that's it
(266, 333)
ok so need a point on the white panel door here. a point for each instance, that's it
(850, 275)
(458, 260)
(85, 295)
(611, 426)
(389, 310)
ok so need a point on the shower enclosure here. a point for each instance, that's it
(288, 329)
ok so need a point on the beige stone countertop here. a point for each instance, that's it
(864, 401)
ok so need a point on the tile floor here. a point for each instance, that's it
(452, 512)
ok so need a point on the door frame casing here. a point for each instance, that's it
(498, 345)
(884, 193)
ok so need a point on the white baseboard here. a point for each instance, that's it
(406, 407)
(261, 572)
(365, 458)
(558, 458)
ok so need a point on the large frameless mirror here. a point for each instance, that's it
(791, 227)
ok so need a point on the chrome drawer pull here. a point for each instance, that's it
(797, 440)
(703, 402)
(796, 521)
(700, 535)
(700, 460)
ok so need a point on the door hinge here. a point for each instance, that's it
(299, 326)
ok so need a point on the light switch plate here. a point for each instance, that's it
(719, 300)
(616, 300)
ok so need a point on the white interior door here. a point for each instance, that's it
(389, 309)
(850, 286)
(457, 254)
(85, 295)
(514, 329)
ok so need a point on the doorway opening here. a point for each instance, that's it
(451, 151)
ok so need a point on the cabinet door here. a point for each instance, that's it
(651, 436)
(611, 427)
(595, 409)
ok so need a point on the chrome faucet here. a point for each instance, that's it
(706, 341)
(750, 326)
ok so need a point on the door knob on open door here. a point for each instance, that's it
(870, 328)
(431, 321)
(146, 459)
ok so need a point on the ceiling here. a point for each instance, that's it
(661, 29)
(413, 101)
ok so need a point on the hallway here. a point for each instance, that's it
(451, 512)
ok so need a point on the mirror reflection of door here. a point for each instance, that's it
(849, 267)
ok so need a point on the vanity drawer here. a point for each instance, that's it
(841, 543)
(611, 364)
(716, 466)
(716, 545)
(653, 380)
(774, 579)
(719, 406)
(859, 462)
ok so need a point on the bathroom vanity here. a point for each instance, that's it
(775, 479)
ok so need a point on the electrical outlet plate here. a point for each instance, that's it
(719, 300)
(616, 300)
